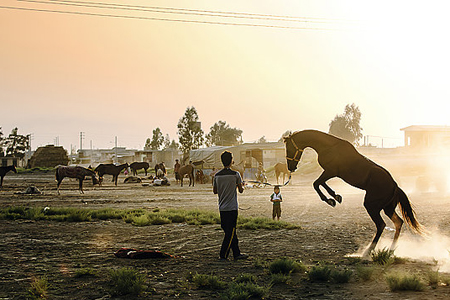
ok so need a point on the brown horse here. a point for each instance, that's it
(187, 170)
(74, 172)
(339, 158)
(4, 170)
(139, 165)
(281, 168)
(110, 169)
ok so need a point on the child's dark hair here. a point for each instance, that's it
(227, 158)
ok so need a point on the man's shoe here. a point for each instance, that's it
(241, 256)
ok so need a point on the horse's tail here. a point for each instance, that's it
(408, 212)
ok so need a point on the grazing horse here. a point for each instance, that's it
(163, 172)
(110, 169)
(139, 165)
(187, 170)
(281, 168)
(4, 170)
(74, 172)
(339, 158)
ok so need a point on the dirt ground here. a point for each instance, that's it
(55, 250)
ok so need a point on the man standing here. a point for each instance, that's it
(226, 181)
(176, 168)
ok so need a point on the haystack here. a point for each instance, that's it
(48, 157)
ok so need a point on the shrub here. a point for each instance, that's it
(365, 273)
(382, 256)
(126, 281)
(203, 281)
(341, 276)
(319, 273)
(85, 272)
(245, 277)
(38, 289)
(404, 282)
(433, 278)
(244, 291)
(286, 266)
(278, 278)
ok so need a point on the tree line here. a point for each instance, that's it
(191, 136)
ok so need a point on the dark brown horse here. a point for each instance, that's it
(139, 165)
(189, 171)
(162, 172)
(281, 168)
(4, 170)
(110, 169)
(74, 172)
(339, 158)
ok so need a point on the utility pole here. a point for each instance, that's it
(115, 143)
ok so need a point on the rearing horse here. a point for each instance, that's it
(339, 158)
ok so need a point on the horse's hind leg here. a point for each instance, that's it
(80, 185)
(374, 214)
(398, 222)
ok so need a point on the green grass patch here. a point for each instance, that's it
(244, 291)
(136, 217)
(319, 273)
(264, 223)
(126, 281)
(286, 266)
(341, 276)
(404, 282)
(279, 278)
(365, 273)
(205, 281)
(39, 288)
(85, 272)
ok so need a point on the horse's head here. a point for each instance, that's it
(293, 153)
(14, 169)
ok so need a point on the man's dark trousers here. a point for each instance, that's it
(228, 221)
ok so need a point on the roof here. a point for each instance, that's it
(426, 128)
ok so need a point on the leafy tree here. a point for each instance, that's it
(221, 134)
(166, 142)
(262, 139)
(347, 125)
(157, 139)
(147, 144)
(16, 144)
(190, 133)
(174, 145)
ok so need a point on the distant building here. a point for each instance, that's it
(427, 136)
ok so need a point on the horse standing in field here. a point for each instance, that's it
(139, 165)
(339, 158)
(187, 170)
(4, 170)
(110, 169)
(74, 172)
(281, 168)
(160, 170)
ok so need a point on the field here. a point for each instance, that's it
(59, 251)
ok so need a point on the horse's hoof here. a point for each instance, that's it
(331, 202)
(338, 198)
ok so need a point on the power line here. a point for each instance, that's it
(186, 11)
(164, 19)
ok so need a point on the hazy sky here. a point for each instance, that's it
(62, 74)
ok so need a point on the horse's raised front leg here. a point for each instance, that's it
(321, 181)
